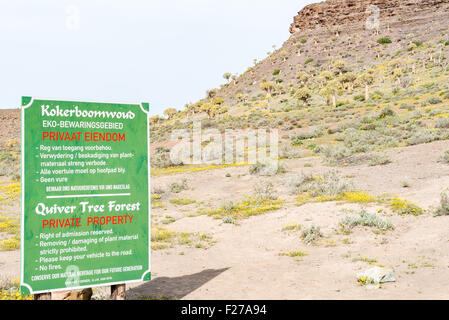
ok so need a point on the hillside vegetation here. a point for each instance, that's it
(334, 93)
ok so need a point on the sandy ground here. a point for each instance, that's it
(244, 262)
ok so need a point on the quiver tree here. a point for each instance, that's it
(218, 100)
(303, 94)
(170, 112)
(241, 97)
(339, 66)
(208, 108)
(303, 77)
(397, 74)
(213, 110)
(227, 76)
(194, 108)
(211, 93)
(155, 120)
(347, 80)
(268, 87)
(330, 92)
(324, 77)
(366, 80)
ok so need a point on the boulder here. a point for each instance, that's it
(376, 275)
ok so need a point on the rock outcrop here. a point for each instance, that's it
(341, 13)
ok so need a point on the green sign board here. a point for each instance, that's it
(85, 194)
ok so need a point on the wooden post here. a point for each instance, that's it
(43, 296)
(118, 292)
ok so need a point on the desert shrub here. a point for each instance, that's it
(228, 220)
(443, 209)
(442, 123)
(422, 136)
(297, 182)
(229, 206)
(342, 155)
(289, 153)
(245, 208)
(357, 141)
(444, 94)
(276, 72)
(336, 154)
(405, 184)
(266, 167)
(365, 219)
(297, 138)
(327, 186)
(265, 191)
(157, 190)
(9, 171)
(161, 159)
(386, 112)
(445, 157)
(379, 160)
(434, 100)
(384, 40)
(176, 187)
(405, 82)
(311, 235)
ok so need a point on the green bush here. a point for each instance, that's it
(359, 97)
(384, 40)
(308, 60)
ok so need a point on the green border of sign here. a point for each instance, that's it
(25, 288)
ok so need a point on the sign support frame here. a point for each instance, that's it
(118, 289)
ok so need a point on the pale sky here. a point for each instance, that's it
(165, 52)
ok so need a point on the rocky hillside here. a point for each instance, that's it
(10, 128)
(382, 72)
(337, 29)
(352, 14)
